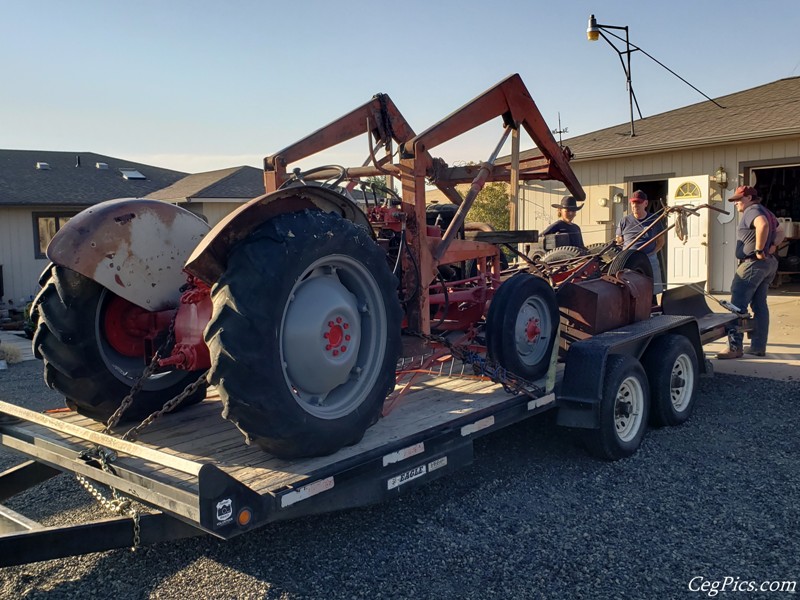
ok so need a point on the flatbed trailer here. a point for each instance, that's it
(194, 471)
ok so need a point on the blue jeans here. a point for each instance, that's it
(749, 288)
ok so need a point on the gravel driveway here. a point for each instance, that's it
(534, 517)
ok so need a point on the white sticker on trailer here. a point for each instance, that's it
(477, 426)
(548, 399)
(403, 454)
(409, 475)
(437, 464)
(312, 489)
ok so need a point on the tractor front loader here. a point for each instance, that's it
(295, 304)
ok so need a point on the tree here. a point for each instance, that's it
(491, 206)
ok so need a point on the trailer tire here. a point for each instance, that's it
(305, 334)
(80, 362)
(522, 326)
(671, 366)
(633, 260)
(608, 256)
(624, 408)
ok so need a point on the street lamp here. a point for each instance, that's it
(593, 32)
(596, 30)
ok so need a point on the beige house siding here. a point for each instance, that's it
(214, 212)
(598, 176)
(21, 268)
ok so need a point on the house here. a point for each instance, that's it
(214, 194)
(41, 190)
(693, 155)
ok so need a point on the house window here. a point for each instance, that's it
(688, 191)
(45, 226)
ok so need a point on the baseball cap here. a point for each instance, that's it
(742, 191)
(637, 197)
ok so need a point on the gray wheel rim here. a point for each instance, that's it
(681, 383)
(333, 336)
(532, 330)
(628, 409)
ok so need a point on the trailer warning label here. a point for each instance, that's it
(409, 475)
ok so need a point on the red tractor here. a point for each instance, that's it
(297, 304)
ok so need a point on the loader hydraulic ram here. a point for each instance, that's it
(296, 302)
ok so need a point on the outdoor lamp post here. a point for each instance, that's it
(593, 32)
(596, 30)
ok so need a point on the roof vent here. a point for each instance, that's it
(101, 166)
(43, 166)
(132, 174)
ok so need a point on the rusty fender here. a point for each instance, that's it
(134, 247)
(209, 259)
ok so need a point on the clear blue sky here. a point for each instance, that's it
(200, 85)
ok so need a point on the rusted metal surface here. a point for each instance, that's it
(209, 259)
(134, 247)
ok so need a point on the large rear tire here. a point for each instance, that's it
(522, 326)
(305, 334)
(563, 253)
(80, 361)
(633, 260)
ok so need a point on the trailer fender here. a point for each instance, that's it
(584, 375)
(209, 259)
(134, 247)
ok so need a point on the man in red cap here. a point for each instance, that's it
(635, 231)
(757, 237)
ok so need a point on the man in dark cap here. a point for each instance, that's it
(632, 227)
(757, 237)
(567, 210)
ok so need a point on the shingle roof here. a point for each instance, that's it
(761, 112)
(234, 182)
(21, 183)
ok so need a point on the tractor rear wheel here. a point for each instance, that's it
(522, 326)
(305, 334)
(634, 260)
(90, 362)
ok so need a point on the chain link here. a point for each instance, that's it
(512, 384)
(117, 504)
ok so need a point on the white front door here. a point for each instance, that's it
(687, 260)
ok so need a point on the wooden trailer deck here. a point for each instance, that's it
(187, 462)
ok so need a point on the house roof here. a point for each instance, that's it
(64, 183)
(234, 182)
(770, 110)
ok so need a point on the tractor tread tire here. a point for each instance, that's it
(245, 334)
(66, 340)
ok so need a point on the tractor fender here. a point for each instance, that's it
(210, 258)
(132, 246)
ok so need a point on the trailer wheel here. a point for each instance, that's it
(522, 325)
(82, 357)
(624, 410)
(671, 366)
(634, 260)
(305, 334)
(562, 253)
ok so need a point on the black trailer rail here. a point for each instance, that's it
(194, 469)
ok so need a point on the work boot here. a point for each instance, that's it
(755, 352)
(730, 353)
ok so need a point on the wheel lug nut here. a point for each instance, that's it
(343, 348)
(347, 338)
(336, 353)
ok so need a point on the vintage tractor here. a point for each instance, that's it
(297, 304)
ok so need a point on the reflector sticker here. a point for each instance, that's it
(437, 464)
(403, 454)
(477, 426)
(548, 399)
(410, 475)
(312, 489)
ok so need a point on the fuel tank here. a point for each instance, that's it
(593, 306)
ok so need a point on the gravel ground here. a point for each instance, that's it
(534, 517)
